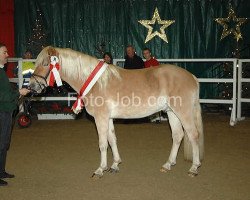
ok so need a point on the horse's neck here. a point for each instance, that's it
(75, 84)
(76, 81)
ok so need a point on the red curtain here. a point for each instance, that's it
(7, 29)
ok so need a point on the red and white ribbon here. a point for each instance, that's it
(54, 68)
(89, 83)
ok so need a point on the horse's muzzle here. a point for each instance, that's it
(37, 89)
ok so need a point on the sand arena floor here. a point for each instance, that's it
(54, 160)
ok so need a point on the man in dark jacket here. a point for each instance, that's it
(8, 103)
(132, 61)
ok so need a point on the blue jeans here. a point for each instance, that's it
(5, 137)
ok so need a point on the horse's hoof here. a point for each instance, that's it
(192, 174)
(164, 170)
(96, 176)
(111, 170)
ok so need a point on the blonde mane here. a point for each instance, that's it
(77, 65)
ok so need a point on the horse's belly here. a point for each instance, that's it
(136, 110)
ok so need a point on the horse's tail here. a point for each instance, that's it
(199, 126)
(188, 153)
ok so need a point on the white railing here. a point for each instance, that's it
(240, 81)
(19, 62)
(232, 80)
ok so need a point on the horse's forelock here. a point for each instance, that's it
(43, 58)
(52, 51)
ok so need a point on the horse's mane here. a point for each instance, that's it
(77, 65)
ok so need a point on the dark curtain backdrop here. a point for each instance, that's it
(83, 25)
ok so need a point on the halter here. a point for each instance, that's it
(43, 89)
(54, 63)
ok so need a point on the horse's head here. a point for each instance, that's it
(38, 81)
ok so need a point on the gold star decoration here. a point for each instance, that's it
(225, 22)
(156, 18)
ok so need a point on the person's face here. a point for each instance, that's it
(130, 52)
(27, 55)
(3, 55)
(147, 54)
(107, 59)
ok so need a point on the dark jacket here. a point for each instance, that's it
(8, 96)
(133, 63)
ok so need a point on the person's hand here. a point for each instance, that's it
(24, 91)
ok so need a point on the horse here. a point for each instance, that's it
(127, 94)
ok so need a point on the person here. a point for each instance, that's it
(8, 99)
(28, 67)
(150, 60)
(107, 57)
(132, 61)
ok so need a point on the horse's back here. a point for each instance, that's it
(167, 76)
(174, 70)
(163, 70)
(175, 78)
(164, 80)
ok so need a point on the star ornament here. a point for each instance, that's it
(156, 19)
(231, 19)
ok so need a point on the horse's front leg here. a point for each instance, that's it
(102, 125)
(113, 144)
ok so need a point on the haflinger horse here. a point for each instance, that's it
(127, 94)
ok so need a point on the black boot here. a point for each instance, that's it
(3, 173)
(3, 183)
(6, 175)
(3, 155)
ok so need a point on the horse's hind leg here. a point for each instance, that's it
(113, 144)
(193, 137)
(177, 135)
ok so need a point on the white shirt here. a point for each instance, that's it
(1, 66)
